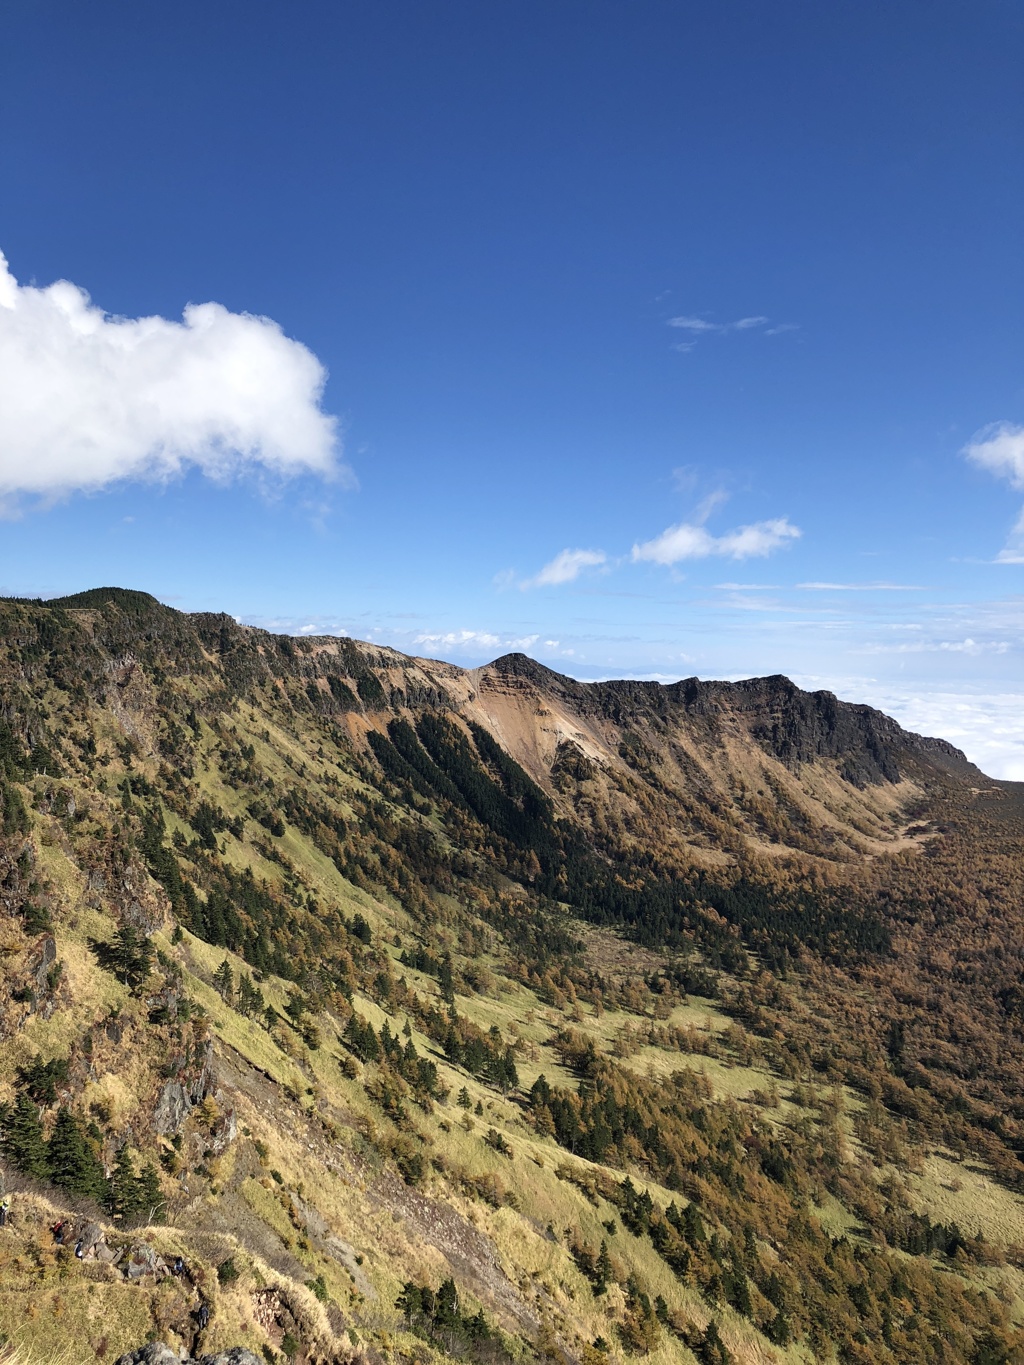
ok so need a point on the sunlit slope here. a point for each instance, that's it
(340, 975)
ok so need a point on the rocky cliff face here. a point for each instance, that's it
(791, 725)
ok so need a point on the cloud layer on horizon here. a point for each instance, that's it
(988, 727)
(87, 399)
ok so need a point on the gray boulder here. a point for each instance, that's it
(144, 1260)
(157, 1353)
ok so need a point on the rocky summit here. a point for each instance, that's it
(357, 1006)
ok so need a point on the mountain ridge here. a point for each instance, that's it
(492, 1013)
(836, 776)
(698, 695)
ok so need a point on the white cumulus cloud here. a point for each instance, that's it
(87, 399)
(565, 567)
(690, 541)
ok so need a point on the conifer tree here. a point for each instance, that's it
(224, 980)
(250, 998)
(639, 1330)
(72, 1162)
(123, 1193)
(603, 1269)
(410, 1301)
(23, 1139)
(40, 1079)
(446, 1308)
(779, 1330)
(712, 1350)
(128, 955)
(693, 1225)
(446, 980)
(150, 1199)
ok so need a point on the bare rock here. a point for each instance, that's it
(90, 1240)
(158, 1353)
(172, 1109)
(144, 1260)
(154, 1353)
(47, 957)
(238, 1355)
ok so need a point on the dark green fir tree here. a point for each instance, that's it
(123, 1191)
(150, 1199)
(22, 1141)
(72, 1161)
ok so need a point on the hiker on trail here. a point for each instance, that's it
(204, 1316)
(58, 1232)
(5, 1208)
(178, 1268)
(79, 1249)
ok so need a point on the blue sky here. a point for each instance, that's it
(653, 339)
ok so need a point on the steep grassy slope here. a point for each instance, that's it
(659, 1021)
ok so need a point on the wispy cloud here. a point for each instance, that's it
(1013, 551)
(860, 587)
(693, 541)
(694, 324)
(87, 399)
(696, 327)
(968, 646)
(709, 505)
(566, 567)
(999, 448)
(685, 478)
